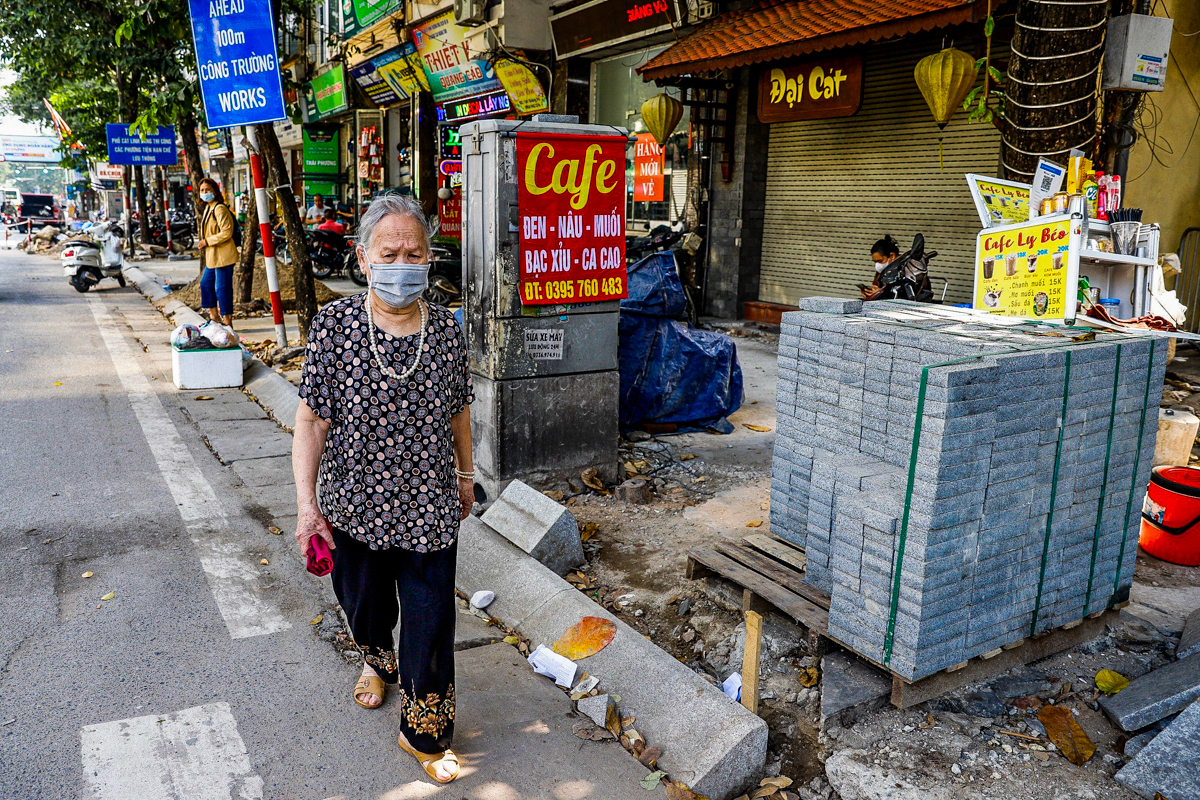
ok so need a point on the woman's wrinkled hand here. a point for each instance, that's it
(466, 496)
(311, 522)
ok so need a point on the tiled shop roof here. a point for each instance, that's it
(775, 29)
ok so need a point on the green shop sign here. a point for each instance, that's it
(326, 94)
(358, 15)
(320, 158)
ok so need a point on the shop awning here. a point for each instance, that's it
(776, 29)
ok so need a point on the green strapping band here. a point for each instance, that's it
(1137, 462)
(912, 477)
(1062, 428)
(1112, 417)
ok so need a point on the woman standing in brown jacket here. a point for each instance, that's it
(219, 254)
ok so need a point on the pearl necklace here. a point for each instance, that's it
(379, 362)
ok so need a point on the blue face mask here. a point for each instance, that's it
(399, 285)
(207, 197)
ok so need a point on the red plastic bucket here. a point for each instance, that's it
(1171, 515)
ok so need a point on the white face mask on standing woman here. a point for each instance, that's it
(399, 285)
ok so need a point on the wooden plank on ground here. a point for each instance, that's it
(775, 548)
(905, 694)
(783, 575)
(750, 657)
(793, 605)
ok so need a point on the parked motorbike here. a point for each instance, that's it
(445, 274)
(661, 237)
(86, 263)
(182, 232)
(907, 277)
(333, 254)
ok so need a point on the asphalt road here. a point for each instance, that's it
(201, 678)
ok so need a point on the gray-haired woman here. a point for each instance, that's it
(385, 427)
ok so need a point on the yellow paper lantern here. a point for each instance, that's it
(944, 79)
(661, 114)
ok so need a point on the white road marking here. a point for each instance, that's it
(229, 567)
(193, 754)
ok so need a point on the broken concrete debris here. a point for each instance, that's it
(1155, 695)
(1189, 640)
(998, 469)
(538, 525)
(1170, 764)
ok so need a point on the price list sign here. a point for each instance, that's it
(1022, 271)
(571, 226)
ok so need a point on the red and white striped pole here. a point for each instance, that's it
(268, 240)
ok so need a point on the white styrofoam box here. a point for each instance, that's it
(206, 369)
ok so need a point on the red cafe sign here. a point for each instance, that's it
(571, 226)
(831, 87)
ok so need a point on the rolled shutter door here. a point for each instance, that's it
(834, 186)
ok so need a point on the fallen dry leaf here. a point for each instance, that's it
(203, 397)
(589, 530)
(1110, 682)
(585, 638)
(109, 596)
(679, 791)
(574, 489)
(87, 574)
(650, 782)
(759, 428)
(630, 469)
(555, 494)
(316, 620)
(779, 782)
(511, 640)
(701, 479)
(809, 677)
(754, 523)
(591, 479)
(758, 794)
(1027, 703)
(650, 756)
(612, 720)
(274, 530)
(1066, 734)
(264, 562)
(687, 456)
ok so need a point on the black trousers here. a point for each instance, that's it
(368, 583)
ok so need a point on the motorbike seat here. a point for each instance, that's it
(330, 238)
(79, 243)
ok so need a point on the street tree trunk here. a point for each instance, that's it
(1050, 91)
(243, 281)
(139, 184)
(191, 154)
(293, 227)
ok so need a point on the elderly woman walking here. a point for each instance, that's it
(385, 428)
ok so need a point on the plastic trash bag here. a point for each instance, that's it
(198, 343)
(184, 334)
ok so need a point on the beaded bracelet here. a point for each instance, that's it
(467, 476)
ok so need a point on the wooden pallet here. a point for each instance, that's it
(770, 572)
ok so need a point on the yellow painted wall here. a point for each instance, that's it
(1170, 194)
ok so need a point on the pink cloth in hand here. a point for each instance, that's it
(320, 558)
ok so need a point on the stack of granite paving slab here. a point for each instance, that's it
(1015, 511)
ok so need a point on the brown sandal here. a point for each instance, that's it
(370, 684)
(428, 760)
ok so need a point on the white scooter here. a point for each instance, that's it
(86, 263)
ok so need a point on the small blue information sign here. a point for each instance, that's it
(125, 147)
(237, 62)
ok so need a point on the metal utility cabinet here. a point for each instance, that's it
(546, 381)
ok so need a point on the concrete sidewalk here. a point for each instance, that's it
(514, 731)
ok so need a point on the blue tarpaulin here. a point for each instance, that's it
(672, 373)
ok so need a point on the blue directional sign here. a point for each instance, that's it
(125, 147)
(237, 62)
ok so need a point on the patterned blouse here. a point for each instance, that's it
(387, 472)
